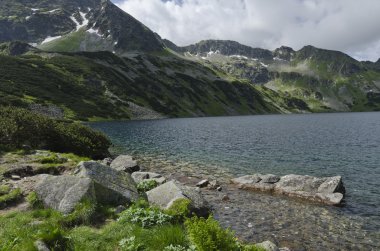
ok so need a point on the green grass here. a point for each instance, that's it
(68, 43)
(9, 196)
(83, 230)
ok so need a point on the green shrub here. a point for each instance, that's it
(180, 209)
(146, 185)
(208, 235)
(145, 217)
(22, 127)
(9, 198)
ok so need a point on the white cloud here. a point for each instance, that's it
(351, 26)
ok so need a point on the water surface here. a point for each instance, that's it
(346, 144)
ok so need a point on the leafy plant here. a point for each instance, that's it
(208, 235)
(130, 244)
(146, 185)
(145, 217)
(179, 248)
(180, 209)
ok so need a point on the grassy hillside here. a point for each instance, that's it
(101, 85)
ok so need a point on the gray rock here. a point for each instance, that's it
(40, 245)
(16, 177)
(268, 246)
(107, 161)
(165, 195)
(125, 163)
(332, 185)
(202, 183)
(63, 193)
(214, 184)
(111, 186)
(141, 176)
(247, 179)
(225, 198)
(269, 178)
(120, 209)
(327, 190)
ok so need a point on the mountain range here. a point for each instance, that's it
(91, 60)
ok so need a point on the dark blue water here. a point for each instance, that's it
(346, 144)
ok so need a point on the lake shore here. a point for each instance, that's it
(299, 225)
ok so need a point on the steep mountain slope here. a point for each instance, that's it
(68, 25)
(324, 80)
(102, 85)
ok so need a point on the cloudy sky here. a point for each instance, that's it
(352, 26)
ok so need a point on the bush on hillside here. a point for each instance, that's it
(20, 127)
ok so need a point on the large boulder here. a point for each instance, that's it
(145, 176)
(111, 186)
(125, 163)
(165, 195)
(327, 190)
(63, 193)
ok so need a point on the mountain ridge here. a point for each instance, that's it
(122, 66)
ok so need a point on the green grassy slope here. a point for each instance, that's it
(100, 85)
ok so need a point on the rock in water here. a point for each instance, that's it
(268, 246)
(202, 183)
(111, 186)
(63, 193)
(165, 195)
(143, 176)
(327, 190)
(125, 163)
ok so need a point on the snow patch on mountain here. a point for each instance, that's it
(49, 39)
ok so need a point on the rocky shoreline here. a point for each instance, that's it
(233, 201)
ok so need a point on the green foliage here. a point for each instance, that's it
(19, 126)
(10, 197)
(130, 244)
(34, 201)
(19, 230)
(4, 189)
(82, 214)
(208, 235)
(180, 209)
(146, 185)
(145, 217)
(179, 248)
(52, 159)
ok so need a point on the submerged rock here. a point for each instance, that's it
(327, 190)
(63, 193)
(111, 186)
(268, 246)
(202, 183)
(125, 163)
(165, 195)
